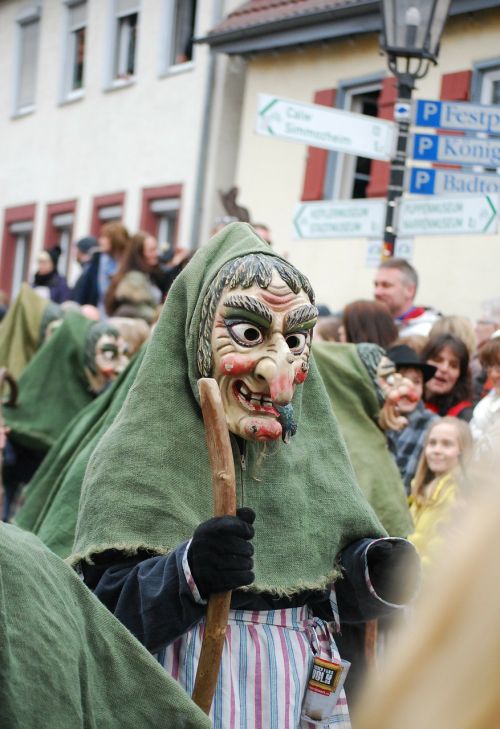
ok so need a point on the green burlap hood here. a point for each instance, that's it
(148, 483)
(354, 401)
(66, 662)
(20, 330)
(52, 388)
(52, 497)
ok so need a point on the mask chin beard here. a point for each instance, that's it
(287, 422)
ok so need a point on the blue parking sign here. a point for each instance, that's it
(422, 181)
(428, 113)
(425, 147)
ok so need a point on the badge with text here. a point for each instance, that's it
(323, 690)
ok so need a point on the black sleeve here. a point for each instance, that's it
(466, 414)
(149, 595)
(359, 594)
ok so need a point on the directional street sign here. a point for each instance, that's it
(318, 126)
(448, 216)
(424, 181)
(456, 150)
(458, 116)
(365, 218)
(340, 219)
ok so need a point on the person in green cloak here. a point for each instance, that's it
(65, 661)
(77, 363)
(50, 501)
(22, 330)
(304, 535)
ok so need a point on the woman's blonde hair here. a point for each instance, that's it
(460, 327)
(423, 474)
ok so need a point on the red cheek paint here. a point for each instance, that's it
(257, 429)
(237, 364)
(300, 376)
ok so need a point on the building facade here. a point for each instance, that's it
(328, 53)
(109, 112)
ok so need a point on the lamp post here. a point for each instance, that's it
(411, 32)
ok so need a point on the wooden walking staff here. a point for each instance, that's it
(5, 376)
(224, 495)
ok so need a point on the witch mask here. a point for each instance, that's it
(105, 356)
(255, 338)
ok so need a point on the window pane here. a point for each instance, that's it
(495, 92)
(20, 272)
(78, 59)
(126, 45)
(27, 63)
(182, 46)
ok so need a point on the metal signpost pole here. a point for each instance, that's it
(406, 84)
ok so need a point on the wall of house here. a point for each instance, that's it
(146, 133)
(457, 272)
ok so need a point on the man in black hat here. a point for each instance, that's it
(406, 445)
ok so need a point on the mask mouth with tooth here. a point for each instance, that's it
(257, 402)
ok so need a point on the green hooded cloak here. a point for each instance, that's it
(21, 330)
(52, 497)
(148, 483)
(65, 661)
(52, 388)
(354, 402)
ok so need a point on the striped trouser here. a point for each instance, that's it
(265, 667)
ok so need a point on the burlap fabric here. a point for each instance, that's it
(51, 499)
(20, 330)
(354, 402)
(52, 388)
(65, 661)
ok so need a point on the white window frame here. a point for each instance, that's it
(117, 49)
(168, 36)
(29, 15)
(487, 76)
(345, 164)
(70, 30)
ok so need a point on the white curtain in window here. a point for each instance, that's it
(27, 63)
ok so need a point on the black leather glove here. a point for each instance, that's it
(220, 554)
(394, 569)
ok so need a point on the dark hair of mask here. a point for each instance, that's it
(369, 321)
(463, 386)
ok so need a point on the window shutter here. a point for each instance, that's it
(317, 158)
(77, 15)
(126, 7)
(379, 173)
(455, 86)
(27, 63)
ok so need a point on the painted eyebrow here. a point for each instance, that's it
(250, 305)
(302, 315)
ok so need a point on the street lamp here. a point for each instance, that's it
(411, 32)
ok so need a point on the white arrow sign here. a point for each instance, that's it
(340, 219)
(365, 218)
(318, 126)
(448, 216)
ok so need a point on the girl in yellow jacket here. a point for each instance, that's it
(437, 483)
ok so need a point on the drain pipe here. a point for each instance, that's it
(204, 136)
